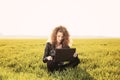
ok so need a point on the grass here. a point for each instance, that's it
(21, 59)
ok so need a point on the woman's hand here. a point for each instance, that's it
(75, 55)
(49, 58)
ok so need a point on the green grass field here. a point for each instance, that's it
(21, 59)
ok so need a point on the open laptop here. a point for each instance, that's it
(64, 54)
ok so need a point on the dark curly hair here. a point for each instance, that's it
(66, 36)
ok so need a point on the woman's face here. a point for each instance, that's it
(59, 37)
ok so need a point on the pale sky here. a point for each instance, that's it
(80, 17)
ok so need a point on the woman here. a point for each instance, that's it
(59, 39)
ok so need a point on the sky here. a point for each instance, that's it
(82, 18)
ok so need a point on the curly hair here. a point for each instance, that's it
(66, 36)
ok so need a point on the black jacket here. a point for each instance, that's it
(48, 51)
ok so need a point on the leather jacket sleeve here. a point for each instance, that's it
(46, 52)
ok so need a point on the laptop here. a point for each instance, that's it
(64, 54)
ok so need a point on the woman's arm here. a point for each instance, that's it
(46, 52)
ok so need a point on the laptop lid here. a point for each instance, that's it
(64, 54)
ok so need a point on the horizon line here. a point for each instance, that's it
(26, 36)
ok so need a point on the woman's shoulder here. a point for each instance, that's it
(48, 44)
(67, 46)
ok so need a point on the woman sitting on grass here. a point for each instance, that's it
(59, 39)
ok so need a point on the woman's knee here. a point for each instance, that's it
(51, 66)
(75, 61)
